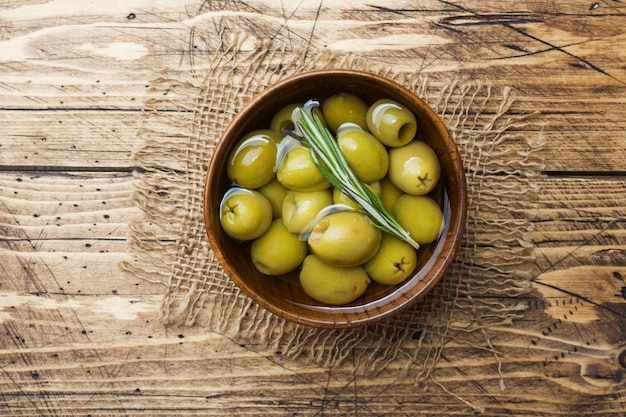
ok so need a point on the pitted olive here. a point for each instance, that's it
(391, 122)
(283, 120)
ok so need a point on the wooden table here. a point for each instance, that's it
(80, 337)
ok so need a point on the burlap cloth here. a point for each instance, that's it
(185, 112)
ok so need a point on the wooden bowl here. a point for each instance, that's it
(283, 295)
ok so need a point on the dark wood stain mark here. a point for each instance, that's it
(622, 359)
(387, 9)
(583, 298)
(476, 19)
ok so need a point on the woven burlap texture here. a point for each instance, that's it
(185, 113)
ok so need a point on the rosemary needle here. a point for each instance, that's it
(333, 165)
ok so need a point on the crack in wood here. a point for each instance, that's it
(508, 20)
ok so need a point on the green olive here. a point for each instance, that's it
(340, 198)
(299, 209)
(245, 214)
(275, 193)
(344, 239)
(392, 123)
(394, 261)
(344, 108)
(251, 164)
(330, 284)
(318, 112)
(366, 156)
(414, 168)
(265, 133)
(420, 216)
(389, 193)
(298, 172)
(283, 120)
(277, 251)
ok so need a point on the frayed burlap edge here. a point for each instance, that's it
(184, 115)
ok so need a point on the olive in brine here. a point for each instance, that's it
(344, 108)
(391, 122)
(301, 208)
(420, 216)
(331, 284)
(251, 164)
(277, 251)
(245, 214)
(298, 172)
(275, 193)
(344, 239)
(389, 193)
(283, 120)
(365, 154)
(414, 168)
(394, 261)
(339, 197)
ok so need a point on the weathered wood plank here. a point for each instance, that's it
(80, 337)
(581, 214)
(85, 206)
(578, 221)
(522, 48)
(99, 140)
(129, 367)
(133, 358)
(61, 140)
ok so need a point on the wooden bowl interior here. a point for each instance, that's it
(283, 295)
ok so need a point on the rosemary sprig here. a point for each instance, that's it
(333, 165)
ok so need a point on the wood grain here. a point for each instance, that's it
(80, 337)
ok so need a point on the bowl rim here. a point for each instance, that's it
(413, 296)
